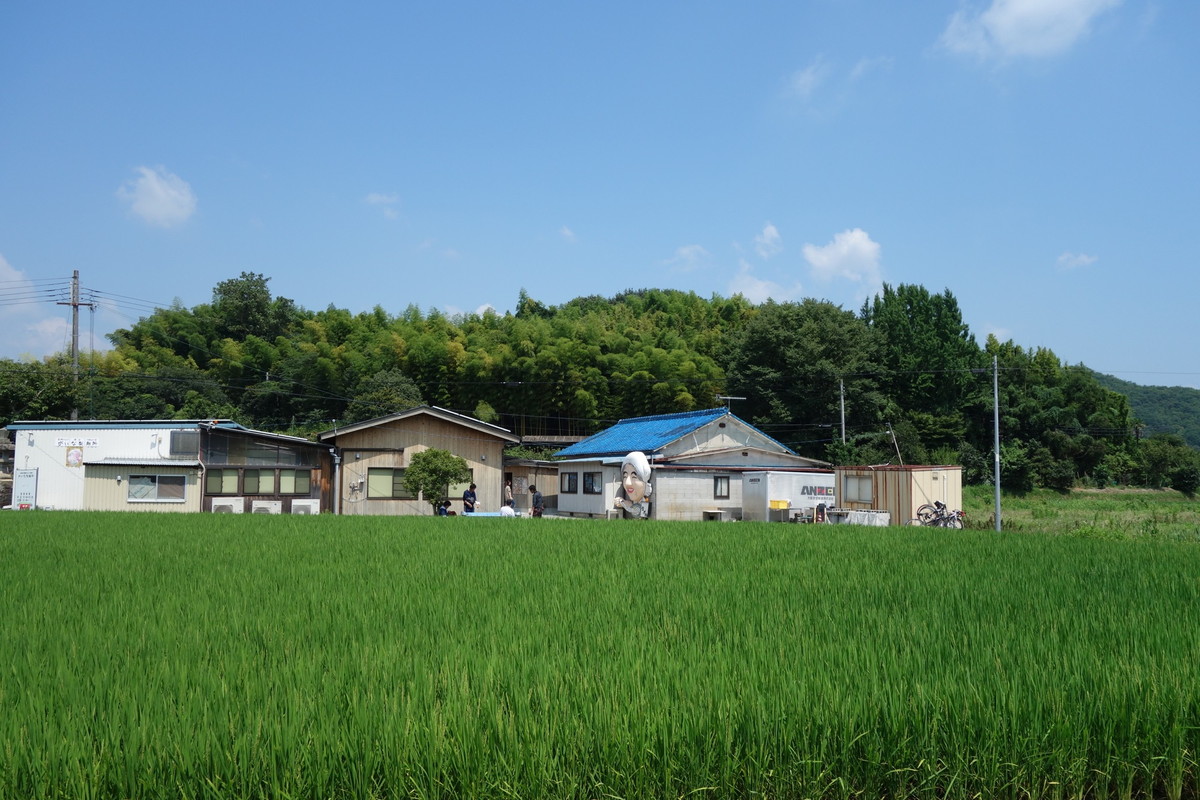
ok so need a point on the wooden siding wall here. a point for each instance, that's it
(392, 445)
(903, 491)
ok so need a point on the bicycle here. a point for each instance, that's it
(938, 516)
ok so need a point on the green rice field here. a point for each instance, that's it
(215, 656)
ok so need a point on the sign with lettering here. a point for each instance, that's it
(76, 441)
(24, 495)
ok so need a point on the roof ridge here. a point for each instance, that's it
(676, 415)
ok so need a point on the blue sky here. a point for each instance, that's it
(1038, 158)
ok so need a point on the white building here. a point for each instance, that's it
(699, 461)
(166, 465)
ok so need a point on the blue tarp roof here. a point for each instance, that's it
(647, 434)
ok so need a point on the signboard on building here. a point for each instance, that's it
(24, 495)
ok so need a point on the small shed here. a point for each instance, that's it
(898, 490)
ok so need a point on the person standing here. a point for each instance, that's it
(538, 504)
(469, 500)
(508, 495)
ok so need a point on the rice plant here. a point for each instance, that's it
(316, 657)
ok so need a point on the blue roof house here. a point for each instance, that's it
(698, 460)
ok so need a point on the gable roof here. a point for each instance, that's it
(649, 434)
(435, 411)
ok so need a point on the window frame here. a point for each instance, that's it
(138, 479)
(184, 444)
(221, 473)
(257, 475)
(296, 474)
(593, 483)
(397, 490)
(718, 481)
(568, 483)
(858, 482)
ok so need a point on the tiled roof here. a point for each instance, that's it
(648, 434)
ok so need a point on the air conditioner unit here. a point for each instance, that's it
(228, 505)
(306, 506)
(266, 506)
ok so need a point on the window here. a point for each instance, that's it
(593, 483)
(260, 481)
(857, 489)
(457, 489)
(185, 444)
(720, 487)
(295, 481)
(384, 483)
(568, 483)
(156, 488)
(221, 481)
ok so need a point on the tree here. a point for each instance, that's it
(791, 360)
(931, 360)
(243, 306)
(385, 392)
(430, 472)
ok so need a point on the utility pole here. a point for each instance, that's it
(996, 430)
(895, 444)
(842, 395)
(75, 304)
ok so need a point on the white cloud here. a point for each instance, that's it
(803, 83)
(457, 313)
(769, 242)
(757, 290)
(32, 327)
(687, 258)
(567, 233)
(159, 197)
(1022, 28)
(1075, 260)
(851, 256)
(385, 200)
(868, 65)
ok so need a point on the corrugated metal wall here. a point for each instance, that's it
(103, 492)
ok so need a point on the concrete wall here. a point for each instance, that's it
(688, 494)
(581, 504)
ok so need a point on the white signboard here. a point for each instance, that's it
(24, 495)
(76, 441)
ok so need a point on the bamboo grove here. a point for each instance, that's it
(904, 372)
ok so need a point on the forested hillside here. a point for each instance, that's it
(901, 379)
(1161, 409)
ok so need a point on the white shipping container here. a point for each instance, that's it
(800, 490)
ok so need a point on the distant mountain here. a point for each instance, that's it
(1163, 409)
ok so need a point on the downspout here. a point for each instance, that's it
(202, 430)
(337, 481)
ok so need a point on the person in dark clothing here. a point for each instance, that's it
(538, 504)
(469, 500)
